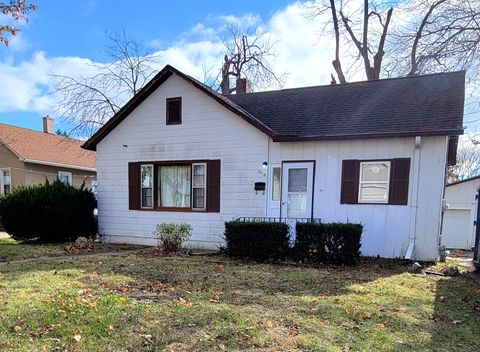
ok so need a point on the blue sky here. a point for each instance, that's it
(66, 36)
(72, 28)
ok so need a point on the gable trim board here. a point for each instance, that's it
(210, 131)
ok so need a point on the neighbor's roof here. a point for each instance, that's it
(463, 181)
(45, 148)
(411, 106)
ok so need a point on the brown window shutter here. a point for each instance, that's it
(213, 186)
(133, 186)
(452, 150)
(399, 179)
(350, 179)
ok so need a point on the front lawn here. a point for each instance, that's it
(13, 250)
(140, 302)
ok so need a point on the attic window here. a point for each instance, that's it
(174, 111)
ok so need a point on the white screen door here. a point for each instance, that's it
(297, 188)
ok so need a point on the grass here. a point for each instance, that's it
(13, 250)
(142, 302)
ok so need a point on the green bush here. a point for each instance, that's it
(172, 236)
(335, 243)
(256, 240)
(52, 212)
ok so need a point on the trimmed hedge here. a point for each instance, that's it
(334, 243)
(51, 212)
(256, 240)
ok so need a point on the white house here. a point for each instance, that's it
(460, 215)
(369, 152)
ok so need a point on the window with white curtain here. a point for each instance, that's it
(146, 175)
(174, 186)
(374, 182)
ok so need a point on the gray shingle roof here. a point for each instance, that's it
(411, 106)
(417, 105)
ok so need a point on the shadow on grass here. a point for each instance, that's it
(456, 317)
(372, 306)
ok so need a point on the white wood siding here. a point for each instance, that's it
(458, 229)
(208, 131)
(387, 227)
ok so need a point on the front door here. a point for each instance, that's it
(297, 190)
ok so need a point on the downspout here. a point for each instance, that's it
(267, 181)
(414, 204)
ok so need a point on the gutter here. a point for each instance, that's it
(414, 205)
(51, 163)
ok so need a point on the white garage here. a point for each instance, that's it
(458, 230)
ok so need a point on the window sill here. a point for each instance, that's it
(179, 210)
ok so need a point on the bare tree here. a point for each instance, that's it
(405, 37)
(468, 160)
(17, 10)
(248, 56)
(89, 101)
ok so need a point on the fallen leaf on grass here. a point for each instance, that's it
(218, 268)
(215, 297)
(17, 329)
(381, 326)
(456, 322)
(148, 339)
(122, 299)
(181, 302)
(268, 324)
(77, 338)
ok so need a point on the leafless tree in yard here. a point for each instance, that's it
(248, 55)
(400, 38)
(89, 101)
(468, 160)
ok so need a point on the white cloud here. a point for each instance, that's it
(301, 53)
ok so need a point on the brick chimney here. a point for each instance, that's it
(48, 124)
(243, 86)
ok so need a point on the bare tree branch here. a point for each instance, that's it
(248, 56)
(90, 101)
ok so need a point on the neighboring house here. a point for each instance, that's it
(369, 152)
(31, 157)
(460, 215)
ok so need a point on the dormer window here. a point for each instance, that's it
(174, 111)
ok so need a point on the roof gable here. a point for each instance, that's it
(40, 147)
(156, 82)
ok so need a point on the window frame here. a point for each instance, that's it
(156, 165)
(2, 180)
(204, 164)
(152, 187)
(66, 173)
(279, 168)
(362, 182)
(167, 111)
